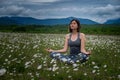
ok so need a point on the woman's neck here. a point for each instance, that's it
(74, 32)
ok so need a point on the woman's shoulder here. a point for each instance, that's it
(67, 36)
(82, 35)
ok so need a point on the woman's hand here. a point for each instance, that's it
(49, 50)
(88, 52)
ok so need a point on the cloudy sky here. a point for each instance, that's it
(96, 10)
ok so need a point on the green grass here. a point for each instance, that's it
(21, 54)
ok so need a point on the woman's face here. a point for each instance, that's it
(73, 25)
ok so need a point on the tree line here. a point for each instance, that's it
(107, 29)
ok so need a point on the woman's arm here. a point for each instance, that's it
(83, 40)
(65, 46)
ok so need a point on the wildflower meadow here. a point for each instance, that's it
(23, 57)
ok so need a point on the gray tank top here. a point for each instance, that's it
(74, 45)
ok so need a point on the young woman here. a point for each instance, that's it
(76, 42)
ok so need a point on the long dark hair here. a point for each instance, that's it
(78, 24)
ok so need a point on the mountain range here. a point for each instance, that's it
(113, 21)
(29, 21)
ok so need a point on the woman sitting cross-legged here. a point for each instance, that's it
(76, 41)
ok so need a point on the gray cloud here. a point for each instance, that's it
(42, 1)
(12, 10)
(96, 10)
(107, 12)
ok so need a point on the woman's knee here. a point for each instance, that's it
(54, 54)
(83, 57)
